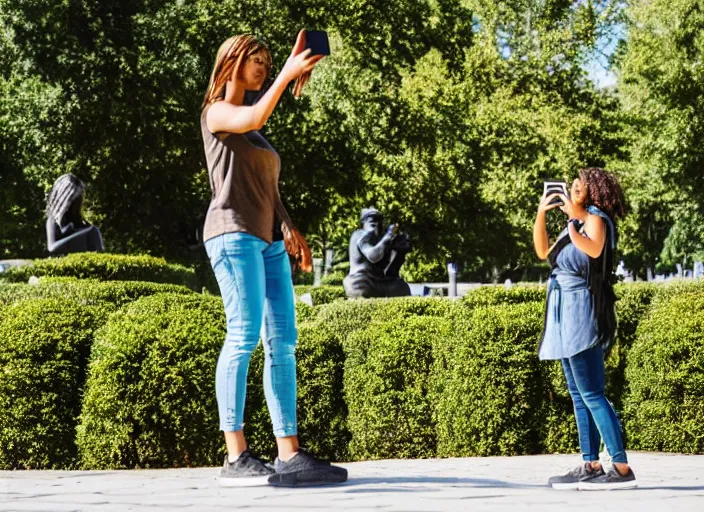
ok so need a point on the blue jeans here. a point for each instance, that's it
(255, 284)
(595, 416)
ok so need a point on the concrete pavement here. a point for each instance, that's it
(670, 483)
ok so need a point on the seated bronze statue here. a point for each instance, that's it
(66, 230)
(376, 257)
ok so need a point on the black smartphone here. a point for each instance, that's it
(552, 187)
(317, 41)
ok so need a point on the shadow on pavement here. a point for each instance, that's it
(430, 480)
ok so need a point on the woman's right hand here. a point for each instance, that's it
(299, 62)
(545, 205)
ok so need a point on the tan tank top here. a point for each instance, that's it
(244, 179)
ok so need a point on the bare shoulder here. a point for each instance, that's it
(218, 116)
(594, 220)
(595, 227)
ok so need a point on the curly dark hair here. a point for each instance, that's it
(604, 191)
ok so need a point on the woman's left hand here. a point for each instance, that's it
(297, 247)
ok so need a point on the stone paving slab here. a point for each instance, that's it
(669, 483)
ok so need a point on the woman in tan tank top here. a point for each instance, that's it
(247, 236)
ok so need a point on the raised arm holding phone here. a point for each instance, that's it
(580, 320)
(247, 237)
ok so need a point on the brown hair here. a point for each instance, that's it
(231, 56)
(604, 191)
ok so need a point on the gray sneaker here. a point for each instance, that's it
(572, 480)
(303, 469)
(246, 471)
(611, 480)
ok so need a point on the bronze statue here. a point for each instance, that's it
(66, 230)
(376, 257)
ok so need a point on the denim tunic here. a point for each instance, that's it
(570, 322)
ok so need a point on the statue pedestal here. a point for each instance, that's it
(8, 264)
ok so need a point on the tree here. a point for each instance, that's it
(661, 84)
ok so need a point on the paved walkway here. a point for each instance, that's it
(670, 483)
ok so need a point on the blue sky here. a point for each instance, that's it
(597, 66)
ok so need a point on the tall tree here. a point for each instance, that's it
(661, 83)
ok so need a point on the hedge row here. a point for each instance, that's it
(149, 400)
(664, 401)
(411, 377)
(44, 347)
(86, 291)
(46, 333)
(105, 267)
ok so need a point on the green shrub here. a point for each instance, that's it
(106, 267)
(44, 346)
(304, 312)
(333, 278)
(355, 314)
(664, 405)
(493, 295)
(557, 425)
(386, 383)
(150, 399)
(12, 292)
(303, 278)
(322, 411)
(632, 305)
(337, 275)
(676, 287)
(377, 378)
(326, 294)
(489, 384)
(86, 291)
(301, 289)
(157, 357)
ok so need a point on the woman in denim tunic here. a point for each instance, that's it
(580, 320)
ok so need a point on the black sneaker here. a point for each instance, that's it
(611, 480)
(303, 469)
(571, 480)
(246, 471)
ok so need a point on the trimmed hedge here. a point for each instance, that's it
(487, 383)
(106, 267)
(346, 316)
(86, 291)
(326, 294)
(664, 405)
(301, 289)
(493, 295)
(149, 400)
(386, 382)
(44, 347)
(323, 410)
(379, 378)
(632, 304)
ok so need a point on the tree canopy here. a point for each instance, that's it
(446, 115)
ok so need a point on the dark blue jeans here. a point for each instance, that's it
(595, 416)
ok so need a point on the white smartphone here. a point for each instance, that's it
(555, 187)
